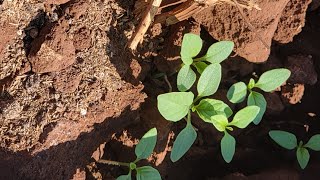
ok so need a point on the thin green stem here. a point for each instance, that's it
(197, 99)
(115, 163)
(203, 58)
(189, 117)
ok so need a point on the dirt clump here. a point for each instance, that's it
(302, 69)
(224, 22)
(292, 94)
(292, 20)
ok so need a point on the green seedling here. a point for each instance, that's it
(143, 150)
(267, 82)
(190, 48)
(217, 113)
(289, 141)
(179, 105)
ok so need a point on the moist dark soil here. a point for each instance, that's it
(72, 93)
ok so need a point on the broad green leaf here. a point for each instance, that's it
(124, 177)
(186, 78)
(211, 107)
(200, 66)
(147, 173)
(245, 116)
(284, 139)
(220, 122)
(228, 147)
(183, 142)
(174, 106)
(303, 157)
(219, 51)
(209, 80)
(191, 46)
(257, 99)
(237, 92)
(314, 143)
(146, 144)
(272, 79)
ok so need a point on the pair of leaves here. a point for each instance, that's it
(143, 173)
(267, 82)
(208, 82)
(192, 45)
(241, 119)
(143, 150)
(289, 141)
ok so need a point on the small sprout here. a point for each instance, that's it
(289, 141)
(268, 81)
(241, 120)
(143, 150)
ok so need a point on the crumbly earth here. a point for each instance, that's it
(72, 93)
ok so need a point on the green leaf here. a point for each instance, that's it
(272, 79)
(251, 83)
(147, 173)
(186, 78)
(209, 80)
(124, 177)
(191, 46)
(174, 106)
(245, 116)
(200, 66)
(146, 144)
(211, 107)
(228, 147)
(237, 92)
(220, 122)
(219, 51)
(257, 99)
(303, 157)
(314, 143)
(183, 142)
(284, 139)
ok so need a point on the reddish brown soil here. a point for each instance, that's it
(71, 93)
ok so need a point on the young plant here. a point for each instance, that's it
(289, 141)
(143, 150)
(267, 82)
(178, 105)
(190, 48)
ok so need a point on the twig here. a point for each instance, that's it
(146, 20)
(115, 163)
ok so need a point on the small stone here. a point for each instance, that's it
(83, 112)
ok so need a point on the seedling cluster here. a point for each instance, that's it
(175, 106)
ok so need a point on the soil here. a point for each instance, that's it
(72, 93)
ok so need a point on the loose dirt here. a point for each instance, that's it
(72, 93)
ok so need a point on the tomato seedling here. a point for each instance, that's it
(289, 141)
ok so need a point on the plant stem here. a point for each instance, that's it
(189, 117)
(197, 99)
(200, 58)
(115, 163)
